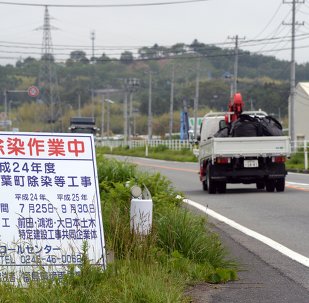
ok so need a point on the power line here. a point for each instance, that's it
(189, 53)
(103, 5)
(206, 47)
(269, 22)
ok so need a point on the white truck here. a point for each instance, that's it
(256, 159)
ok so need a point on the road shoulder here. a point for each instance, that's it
(260, 278)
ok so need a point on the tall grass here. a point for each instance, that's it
(146, 269)
(176, 233)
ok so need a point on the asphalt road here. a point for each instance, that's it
(280, 221)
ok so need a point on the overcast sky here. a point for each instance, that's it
(125, 28)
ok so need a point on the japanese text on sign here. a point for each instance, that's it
(49, 205)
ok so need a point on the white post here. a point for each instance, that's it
(102, 117)
(306, 154)
(146, 149)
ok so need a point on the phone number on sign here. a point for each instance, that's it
(51, 259)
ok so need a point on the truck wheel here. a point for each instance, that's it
(260, 185)
(270, 186)
(221, 187)
(280, 184)
(211, 184)
(204, 185)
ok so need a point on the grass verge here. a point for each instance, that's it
(146, 269)
(160, 152)
(295, 163)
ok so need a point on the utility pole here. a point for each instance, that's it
(79, 101)
(92, 37)
(5, 94)
(172, 102)
(150, 105)
(197, 92)
(102, 92)
(109, 102)
(292, 73)
(102, 116)
(125, 117)
(236, 38)
(132, 86)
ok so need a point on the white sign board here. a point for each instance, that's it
(49, 205)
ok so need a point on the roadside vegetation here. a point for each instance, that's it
(180, 250)
(160, 152)
(295, 163)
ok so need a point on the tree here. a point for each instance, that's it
(178, 49)
(79, 57)
(126, 57)
(145, 52)
(197, 46)
(48, 57)
(103, 59)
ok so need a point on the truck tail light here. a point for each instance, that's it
(223, 160)
(202, 171)
(278, 159)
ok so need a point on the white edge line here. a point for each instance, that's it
(271, 243)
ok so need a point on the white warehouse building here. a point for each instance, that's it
(301, 111)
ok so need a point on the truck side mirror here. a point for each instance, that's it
(198, 138)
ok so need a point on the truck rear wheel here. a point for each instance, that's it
(204, 185)
(280, 184)
(270, 185)
(221, 187)
(211, 184)
(260, 185)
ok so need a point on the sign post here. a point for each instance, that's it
(49, 205)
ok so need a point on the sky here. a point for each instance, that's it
(263, 26)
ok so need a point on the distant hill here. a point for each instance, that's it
(263, 80)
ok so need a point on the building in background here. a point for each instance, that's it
(301, 111)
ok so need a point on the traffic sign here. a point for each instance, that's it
(33, 91)
(5, 123)
(199, 122)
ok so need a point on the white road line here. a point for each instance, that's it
(273, 244)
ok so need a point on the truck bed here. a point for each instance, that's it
(237, 147)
